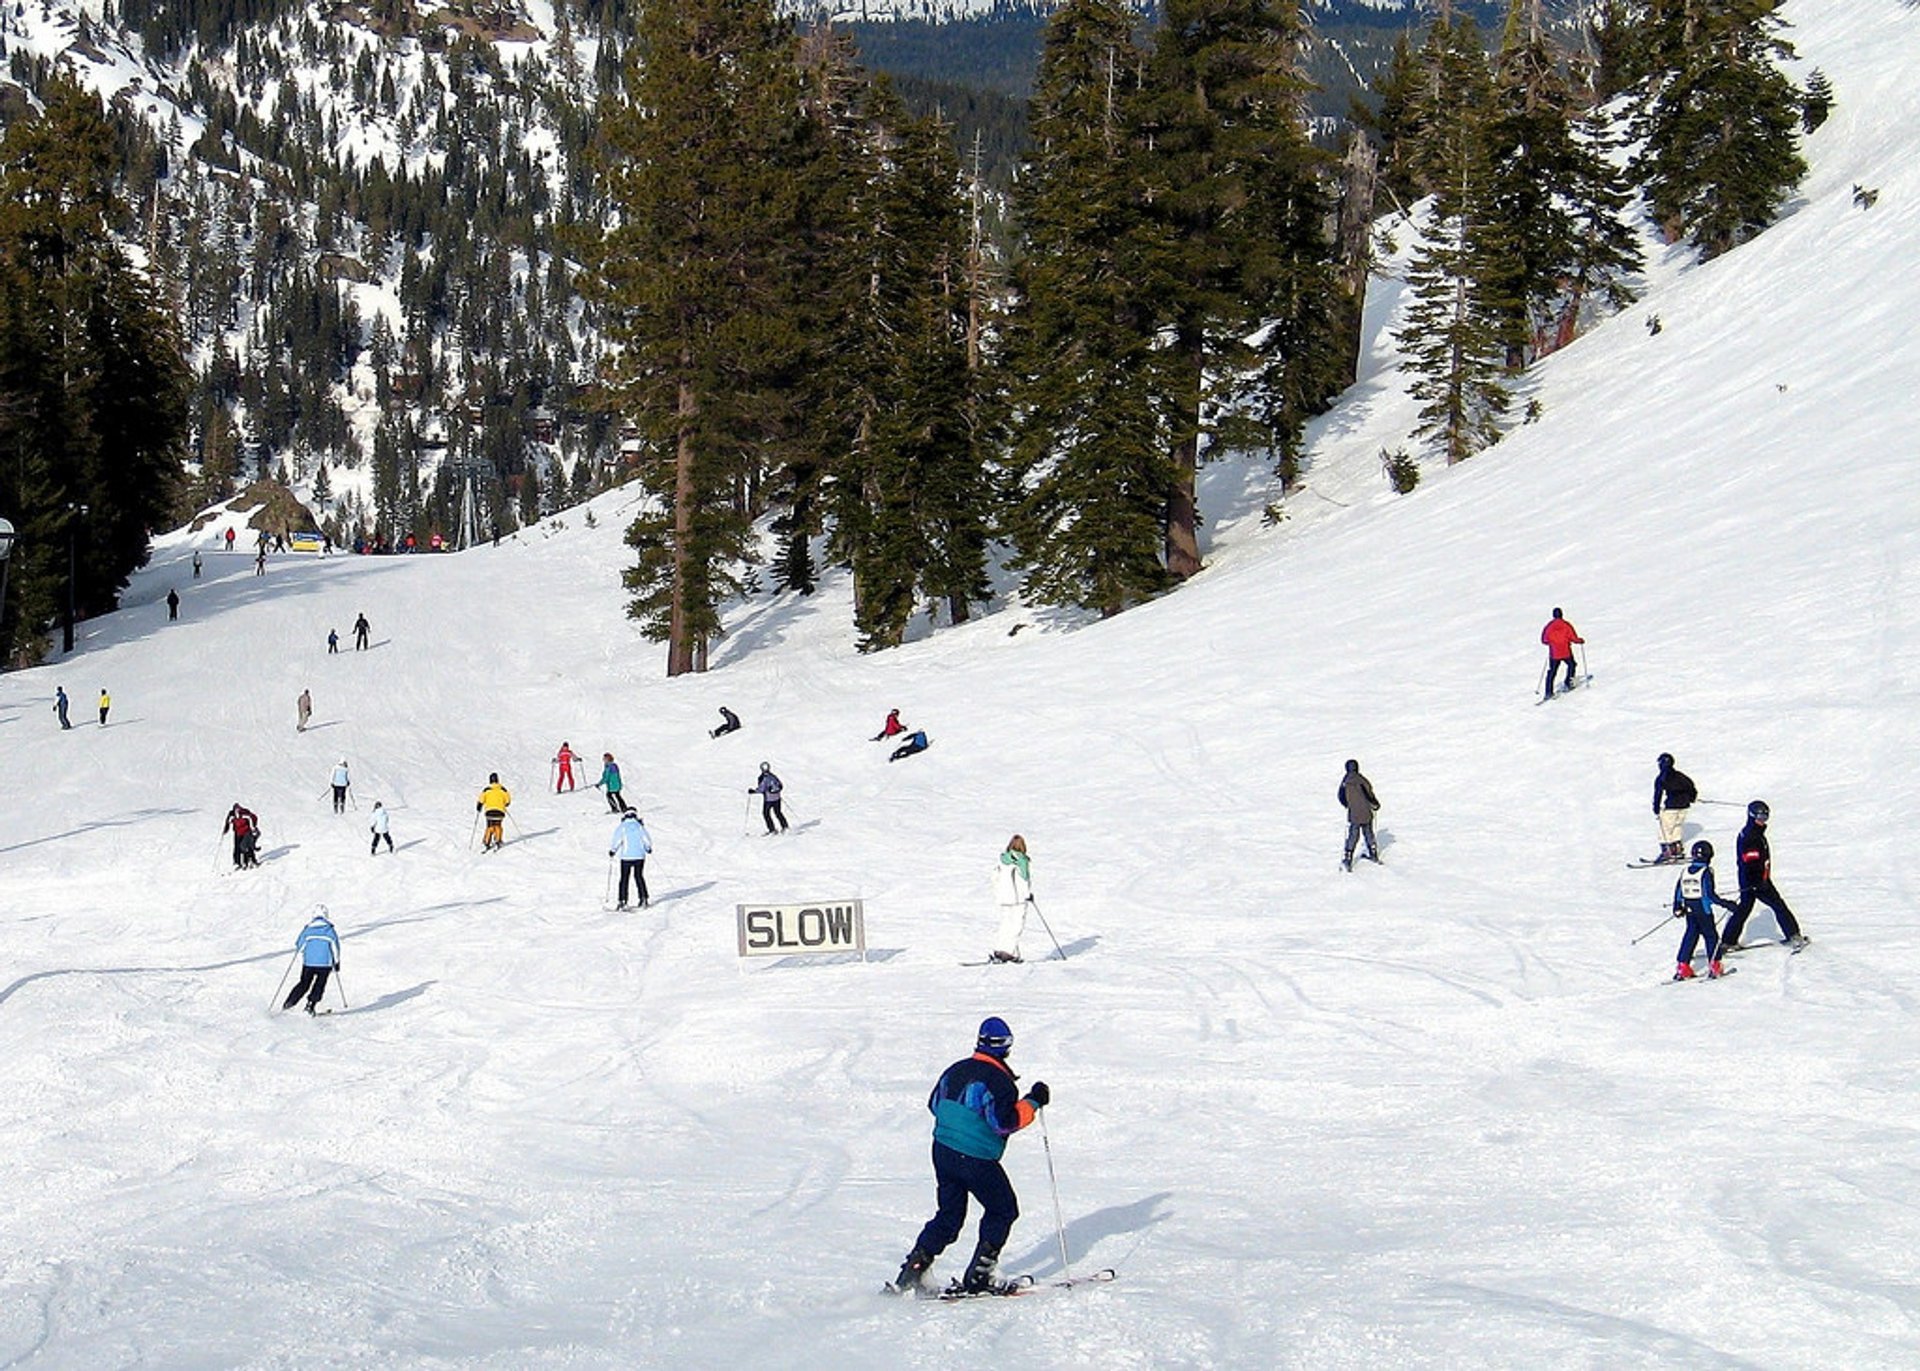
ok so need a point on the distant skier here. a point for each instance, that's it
(1013, 893)
(106, 703)
(768, 789)
(1755, 859)
(196, 565)
(1693, 900)
(260, 562)
(1673, 796)
(892, 728)
(244, 824)
(360, 631)
(631, 843)
(1356, 793)
(729, 721)
(333, 641)
(60, 706)
(341, 783)
(916, 742)
(976, 1107)
(173, 605)
(1559, 636)
(381, 827)
(318, 948)
(493, 803)
(563, 779)
(229, 540)
(610, 782)
(304, 708)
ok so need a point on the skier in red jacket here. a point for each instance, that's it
(563, 780)
(1559, 636)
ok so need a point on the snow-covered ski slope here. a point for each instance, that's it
(1436, 1113)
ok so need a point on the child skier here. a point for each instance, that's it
(1693, 900)
(244, 824)
(564, 760)
(975, 1109)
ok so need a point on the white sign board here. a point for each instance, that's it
(798, 930)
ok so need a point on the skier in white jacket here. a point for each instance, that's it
(1013, 892)
(341, 781)
(381, 828)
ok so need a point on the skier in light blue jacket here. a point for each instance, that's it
(631, 844)
(318, 948)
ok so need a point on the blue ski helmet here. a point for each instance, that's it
(996, 1039)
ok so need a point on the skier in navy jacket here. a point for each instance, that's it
(975, 1109)
(1755, 860)
(318, 947)
(1693, 900)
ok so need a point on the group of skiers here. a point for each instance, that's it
(1694, 895)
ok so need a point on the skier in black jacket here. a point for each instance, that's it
(1756, 884)
(1356, 793)
(1673, 796)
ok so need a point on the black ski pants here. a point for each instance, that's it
(376, 843)
(955, 1177)
(1357, 831)
(770, 811)
(1553, 667)
(339, 799)
(1762, 893)
(638, 871)
(312, 984)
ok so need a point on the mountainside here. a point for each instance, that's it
(1442, 1112)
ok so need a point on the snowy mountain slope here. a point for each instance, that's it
(1437, 1113)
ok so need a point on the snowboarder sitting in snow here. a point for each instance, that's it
(493, 803)
(1693, 900)
(631, 843)
(729, 721)
(244, 824)
(975, 1109)
(1559, 636)
(1755, 860)
(318, 948)
(768, 789)
(1673, 796)
(892, 728)
(1356, 793)
(916, 742)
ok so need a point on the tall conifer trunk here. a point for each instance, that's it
(680, 649)
(1183, 535)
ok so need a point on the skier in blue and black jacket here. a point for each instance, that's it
(318, 948)
(976, 1107)
(1693, 900)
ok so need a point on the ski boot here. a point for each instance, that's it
(979, 1278)
(912, 1271)
(1714, 971)
(1797, 941)
(1683, 972)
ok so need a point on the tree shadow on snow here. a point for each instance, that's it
(389, 1001)
(1084, 1232)
(137, 816)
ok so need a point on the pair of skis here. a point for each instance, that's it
(1018, 1286)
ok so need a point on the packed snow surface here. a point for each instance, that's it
(1441, 1112)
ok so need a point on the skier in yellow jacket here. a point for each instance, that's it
(493, 803)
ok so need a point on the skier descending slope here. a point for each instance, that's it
(1673, 795)
(1559, 636)
(493, 803)
(1693, 900)
(1756, 882)
(1356, 795)
(768, 789)
(244, 824)
(976, 1108)
(631, 843)
(1013, 894)
(342, 782)
(318, 948)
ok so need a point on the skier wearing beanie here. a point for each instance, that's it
(1693, 900)
(1673, 796)
(493, 802)
(1356, 794)
(975, 1107)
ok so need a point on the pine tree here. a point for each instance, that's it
(1087, 379)
(690, 278)
(1452, 336)
(1234, 183)
(1720, 145)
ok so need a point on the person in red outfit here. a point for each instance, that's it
(565, 760)
(893, 728)
(1559, 636)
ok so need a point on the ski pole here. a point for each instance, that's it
(610, 865)
(746, 820)
(1049, 927)
(1546, 678)
(475, 829)
(1059, 1223)
(273, 1007)
(350, 800)
(1650, 932)
(340, 985)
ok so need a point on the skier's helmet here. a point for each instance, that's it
(1665, 761)
(996, 1039)
(320, 912)
(1352, 765)
(1758, 811)
(1556, 611)
(1703, 851)
(765, 767)
(493, 778)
